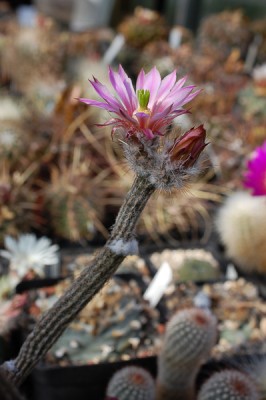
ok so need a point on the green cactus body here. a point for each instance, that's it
(70, 216)
(131, 383)
(190, 336)
(228, 385)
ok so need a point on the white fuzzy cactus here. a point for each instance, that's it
(131, 383)
(241, 225)
(229, 385)
(189, 338)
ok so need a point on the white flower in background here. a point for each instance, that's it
(28, 252)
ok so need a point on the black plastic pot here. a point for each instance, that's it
(80, 382)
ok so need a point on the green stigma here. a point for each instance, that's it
(143, 99)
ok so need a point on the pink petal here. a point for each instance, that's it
(152, 83)
(140, 80)
(128, 117)
(99, 104)
(129, 87)
(180, 82)
(143, 119)
(119, 87)
(105, 94)
(141, 115)
(191, 96)
(178, 99)
(162, 114)
(166, 85)
(167, 120)
(148, 133)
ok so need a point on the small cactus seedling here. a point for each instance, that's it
(190, 336)
(228, 385)
(131, 383)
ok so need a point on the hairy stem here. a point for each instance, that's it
(52, 324)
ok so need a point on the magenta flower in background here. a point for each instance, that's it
(147, 110)
(255, 176)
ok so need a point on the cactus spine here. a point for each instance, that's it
(190, 336)
(131, 383)
(228, 385)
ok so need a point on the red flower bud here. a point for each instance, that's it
(187, 148)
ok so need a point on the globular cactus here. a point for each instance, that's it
(241, 224)
(70, 217)
(228, 385)
(189, 338)
(221, 32)
(131, 383)
(143, 27)
(74, 209)
(255, 367)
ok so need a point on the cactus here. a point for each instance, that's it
(255, 367)
(221, 32)
(228, 385)
(241, 224)
(190, 336)
(73, 209)
(131, 383)
(70, 217)
(189, 264)
(35, 47)
(143, 27)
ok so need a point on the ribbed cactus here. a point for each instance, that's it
(131, 383)
(241, 225)
(189, 338)
(71, 217)
(228, 385)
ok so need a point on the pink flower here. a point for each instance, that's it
(150, 109)
(255, 176)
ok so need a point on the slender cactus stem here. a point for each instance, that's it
(52, 324)
(7, 389)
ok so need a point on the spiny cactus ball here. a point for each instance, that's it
(189, 335)
(228, 385)
(255, 366)
(131, 383)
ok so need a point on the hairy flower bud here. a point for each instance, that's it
(188, 147)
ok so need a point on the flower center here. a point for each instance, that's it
(143, 99)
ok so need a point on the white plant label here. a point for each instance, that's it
(114, 48)
(159, 284)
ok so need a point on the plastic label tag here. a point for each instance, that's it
(114, 49)
(158, 285)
